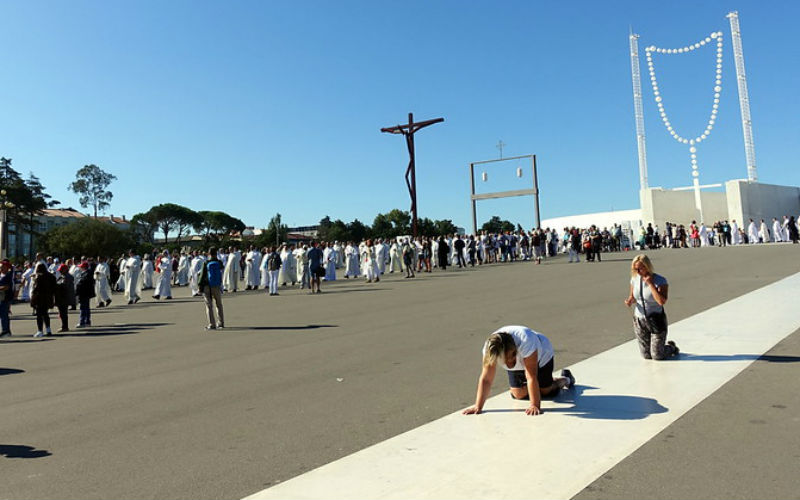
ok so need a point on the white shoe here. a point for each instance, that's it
(38, 335)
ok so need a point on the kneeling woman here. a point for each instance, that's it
(528, 358)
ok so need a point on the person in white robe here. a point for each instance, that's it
(752, 232)
(284, 275)
(301, 260)
(195, 267)
(705, 239)
(147, 271)
(785, 228)
(380, 256)
(369, 262)
(133, 285)
(329, 263)
(736, 236)
(182, 276)
(27, 281)
(763, 232)
(163, 286)
(292, 264)
(263, 269)
(395, 259)
(102, 290)
(230, 278)
(252, 261)
(351, 259)
(777, 231)
(337, 247)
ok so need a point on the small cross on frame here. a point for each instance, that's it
(500, 146)
(411, 176)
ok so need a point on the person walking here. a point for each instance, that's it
(84, 289)
(315, 266)
(274, 264)
(649, 291)
(210, 285)
(6, 294)
(42, 299)
(64, 296)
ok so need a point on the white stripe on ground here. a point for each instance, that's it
(620, 402)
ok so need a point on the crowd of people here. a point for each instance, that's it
(47, 282)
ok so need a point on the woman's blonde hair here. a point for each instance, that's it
(498, 344)
(643, 260)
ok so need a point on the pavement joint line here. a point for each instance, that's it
(620, 402)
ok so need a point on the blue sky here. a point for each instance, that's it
(258, 107)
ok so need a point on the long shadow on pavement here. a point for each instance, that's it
(104, 330)
(21, 451)
(10, 371)
(600, 407)
(738, 357)
(306, 327)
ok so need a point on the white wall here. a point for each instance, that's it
(625, 218)
(753, 200)
(660, 205)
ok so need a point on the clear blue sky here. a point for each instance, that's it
(258, 107)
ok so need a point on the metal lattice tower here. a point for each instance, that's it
(744, 100)
(638, 110)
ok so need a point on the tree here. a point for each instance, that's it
(34, 201)
(495, 225)
(143, 227)
(273, 234)
(169, 217)
(394, 223)
(445, 226)
(333, 231)
(358, 231)
(89, 237)
(212, 224)
(90, 184)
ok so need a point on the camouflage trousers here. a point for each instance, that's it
(652, 345)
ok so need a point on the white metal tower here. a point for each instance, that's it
(744, 100)
(638, 110)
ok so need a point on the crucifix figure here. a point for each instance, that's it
(411, 177)
(500, 146)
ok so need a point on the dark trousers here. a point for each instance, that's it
(63, 311)
(5, 322)
(42, 318)
(86, 315)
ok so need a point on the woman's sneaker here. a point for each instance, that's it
(674, 347)
(568, 375)
(38, 335)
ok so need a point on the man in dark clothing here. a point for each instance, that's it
(459, 247)
(315, 266)
(84, 289)
(6, 294)
(65, 295)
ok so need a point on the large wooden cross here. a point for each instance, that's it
(411, 177)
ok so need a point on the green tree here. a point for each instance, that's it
(394, 223)
(90, 185)
(274, 234)
(445, 226)
(35, 201)
(214, 225)
(358, 231)
(172, 218)
(496, 225)
(143, 227)
(85, 237)
(333, 231)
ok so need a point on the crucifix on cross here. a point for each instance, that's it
(411, 177)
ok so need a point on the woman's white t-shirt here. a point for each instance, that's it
(527, 342)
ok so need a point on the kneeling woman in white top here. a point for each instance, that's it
(528, 358)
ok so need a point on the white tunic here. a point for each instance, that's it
(133, 285)
(147, 274)
(101, 288)
(163, 288)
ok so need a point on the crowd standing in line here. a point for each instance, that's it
(78, 280)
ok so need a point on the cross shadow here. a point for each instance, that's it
(10, 371)
(770, 358)
(306, 327)
(12, 340)
(21, 451)
(599, 407)
(370, 289)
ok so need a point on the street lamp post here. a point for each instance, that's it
(4, 206)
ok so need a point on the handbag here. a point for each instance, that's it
(656, 321)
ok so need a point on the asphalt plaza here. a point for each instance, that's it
(147, 404)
